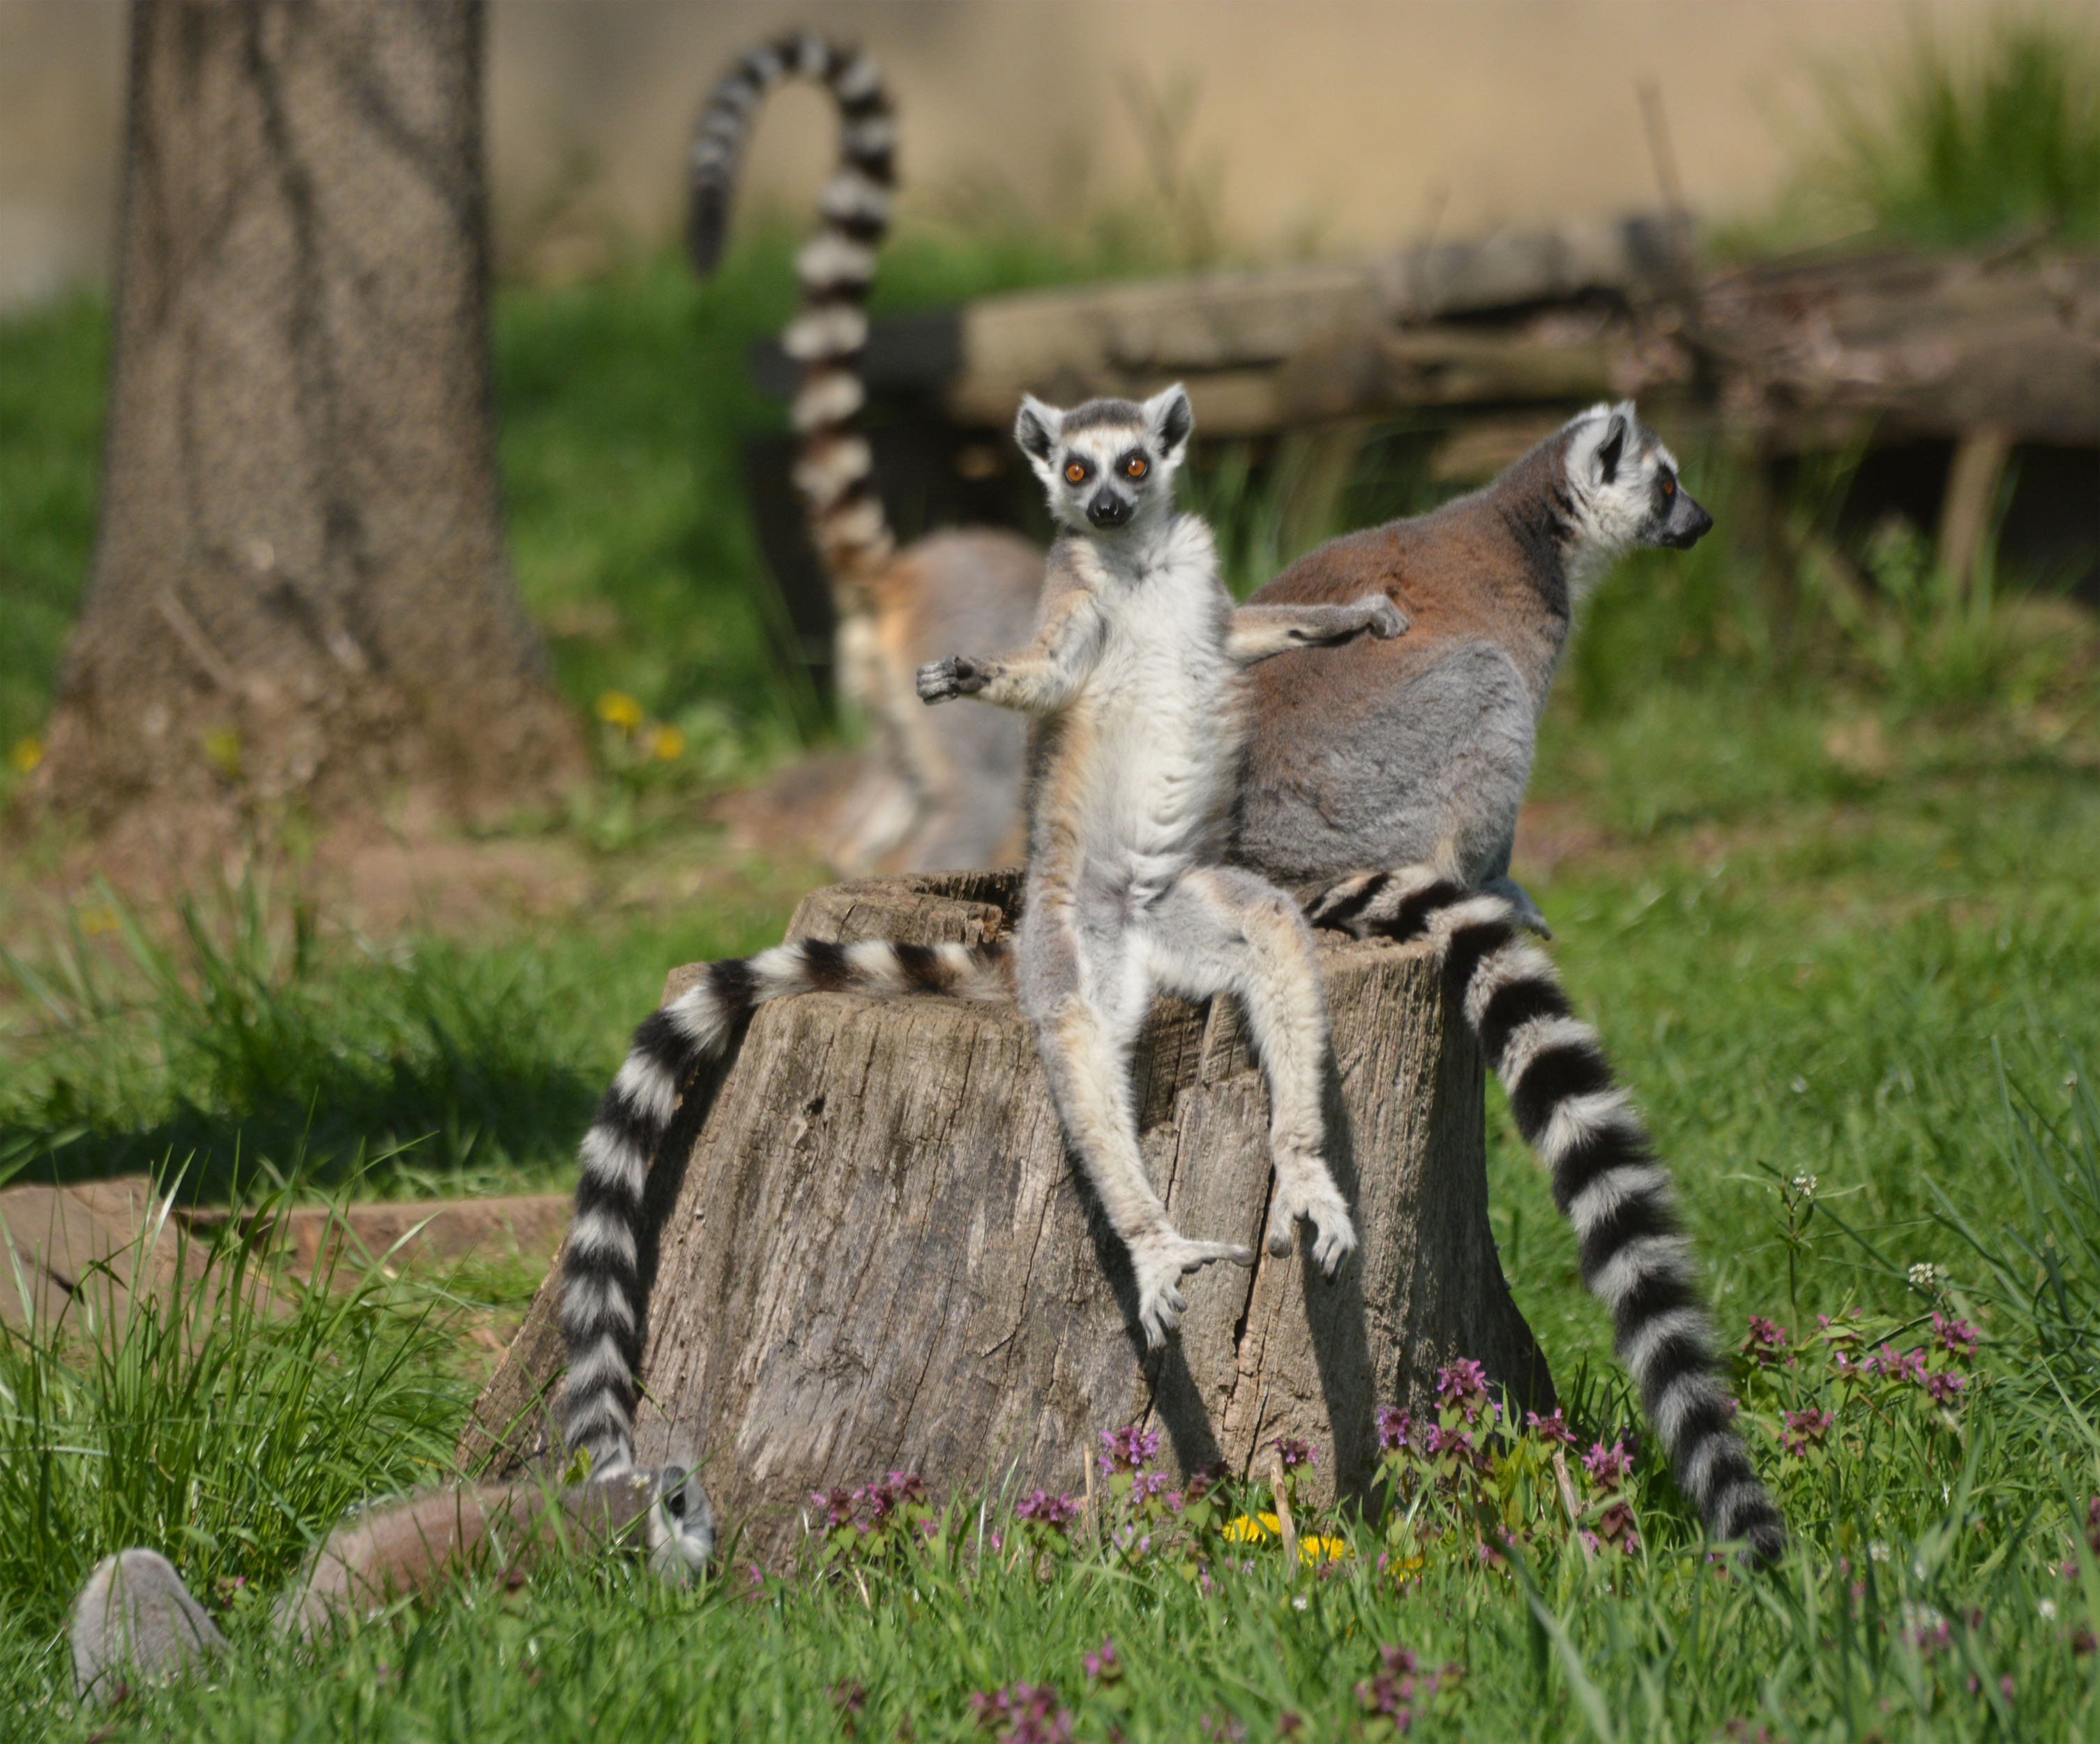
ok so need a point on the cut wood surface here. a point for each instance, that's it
(870, 1253)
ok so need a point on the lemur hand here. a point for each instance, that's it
(958, 675)
(1382, 617)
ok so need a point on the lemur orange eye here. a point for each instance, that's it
(1135, 468)
(1668, 487)
(1076, 472)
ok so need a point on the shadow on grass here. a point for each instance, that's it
(228, 1042)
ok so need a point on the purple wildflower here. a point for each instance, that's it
(1805, 1429)
(1057, 1513)
(1766, 1342)
(1401, 1686)
(1615, 1526)
(1955, 1336)
(1909, 1365)
(1608, 1467)
(1023, 1713)
(1552, 1429)
(1128, 1449)
(1944, 1385)
(1295, 1453)
(1394, 1426)
(1464, 1384)
(836, 1505)
(1437, 1440)
(1102, 1666)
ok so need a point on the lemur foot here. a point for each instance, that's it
(1160, 1263)
(1334, 1234)
(1527, 914)
(1384, 619)
(958, 675)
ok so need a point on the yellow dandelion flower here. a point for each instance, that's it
(620, 710)
(1252, 1529)
(1316, 1551)
(667, 743)
(27, 754)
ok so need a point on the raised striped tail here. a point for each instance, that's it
(835, 471)
(601, 1293)
(1606, 1178)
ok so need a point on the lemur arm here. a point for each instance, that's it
(1259, 631)
(1036, 680)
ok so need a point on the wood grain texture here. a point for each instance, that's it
(874, 1254)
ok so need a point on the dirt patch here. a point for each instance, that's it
(106, 1244)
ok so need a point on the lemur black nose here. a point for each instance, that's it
(1693, 525)
(1108, 510)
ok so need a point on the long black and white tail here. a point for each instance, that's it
(834, 472)
(602, 1281)
(1607, 1179)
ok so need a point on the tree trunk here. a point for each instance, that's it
(299, 590)
(874, 1254)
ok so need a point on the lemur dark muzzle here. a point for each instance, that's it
(1689, 523)
(1108, 510)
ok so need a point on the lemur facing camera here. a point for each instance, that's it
(134, 1619)
(949, 795)
(1133, 682)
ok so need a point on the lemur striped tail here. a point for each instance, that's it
(1607, 1179)
(601, 1303)
(835, 471)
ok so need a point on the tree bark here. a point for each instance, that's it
(874, 1254)
(299, 591)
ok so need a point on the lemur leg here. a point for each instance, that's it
(1087, 1007)
(1222, 931)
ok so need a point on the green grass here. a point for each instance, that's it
(243, 1044)
(1826, 889)
(1955, 149)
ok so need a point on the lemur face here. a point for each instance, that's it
(1625, 483)
(682, 1525)
(1108, 464)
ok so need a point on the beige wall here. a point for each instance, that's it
(1345, 125)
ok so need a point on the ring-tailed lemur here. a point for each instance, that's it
(136, 1620)
(1410, 757)
(1398, 768)
(1132, 680)
(951, 795)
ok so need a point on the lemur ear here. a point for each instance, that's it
(1611, 448)
(1169, 421)
(1036, 428)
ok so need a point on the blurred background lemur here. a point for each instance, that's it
(945, 789)
(1382, 779)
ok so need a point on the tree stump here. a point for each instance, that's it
(874, 1253)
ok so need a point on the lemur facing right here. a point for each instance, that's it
(1387, 778)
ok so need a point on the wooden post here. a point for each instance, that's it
(1967, 511)
(873, 1253)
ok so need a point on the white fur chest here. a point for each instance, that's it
(1159, 713)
